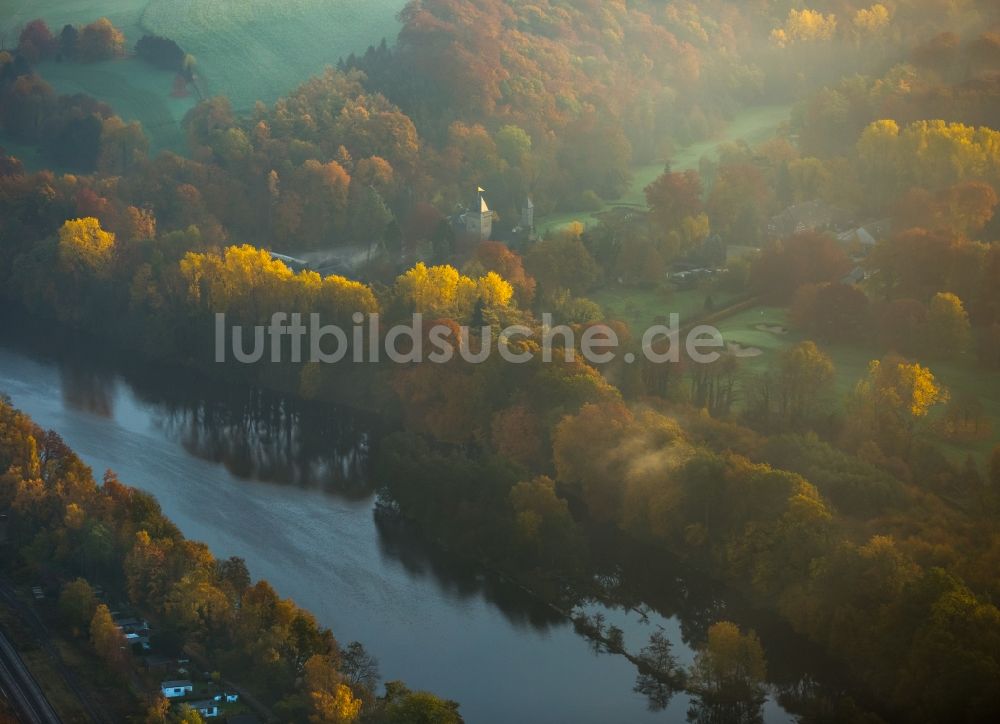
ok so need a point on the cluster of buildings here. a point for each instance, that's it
(135, 631)
(857, 240)
(210, 706)
(823, 217)
(202, 694)
(475, 223)
(688, 276)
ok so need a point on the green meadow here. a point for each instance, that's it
(640, 308)
(134, 89)
(248, 50)
(962, 377)
(752, 125)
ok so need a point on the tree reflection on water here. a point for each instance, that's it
(260, 436)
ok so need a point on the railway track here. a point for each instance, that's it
(95, 713)
(21, 689)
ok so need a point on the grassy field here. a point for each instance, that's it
(752, 125)
(961, 377)
(641, 308)
(248, 50)
(755, 328)
(123, 13)
(135, 90)
(255, 50)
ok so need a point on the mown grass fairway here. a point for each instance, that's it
(643, 307)
(962, 377)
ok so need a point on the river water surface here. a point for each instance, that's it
(286, 489)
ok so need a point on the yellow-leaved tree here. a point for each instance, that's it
(804, 26)
(333, 702)
(872, 20)
(948, 327)
(886, 406)
(106, 638)
(442, 291)
(494, 291)
(933, 155)
(85, 248)
(249, 284)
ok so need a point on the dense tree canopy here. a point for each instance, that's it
(844, 516)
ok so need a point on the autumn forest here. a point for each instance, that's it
(805, 528)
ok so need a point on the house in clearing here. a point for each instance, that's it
(208, 709)
(134, 630)
(860, 241)
(856, 276)
(176, 689)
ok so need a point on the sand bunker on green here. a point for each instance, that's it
(772, 328)
(741, 351)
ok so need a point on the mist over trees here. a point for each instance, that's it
(835, 465)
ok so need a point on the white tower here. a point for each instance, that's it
(479, 222)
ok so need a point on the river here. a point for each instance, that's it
(285, 487)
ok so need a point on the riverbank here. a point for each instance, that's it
(167, 592)
(316, 544)
(437, 622)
